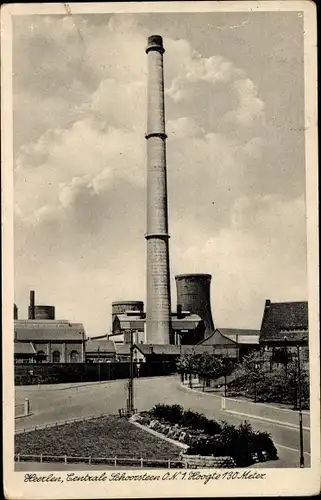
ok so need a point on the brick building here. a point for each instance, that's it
(49, 341)
(285, 327)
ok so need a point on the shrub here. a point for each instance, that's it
(170, 413)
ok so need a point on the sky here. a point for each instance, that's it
(234, 100)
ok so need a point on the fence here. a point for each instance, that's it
(109, 461)
(59, 373)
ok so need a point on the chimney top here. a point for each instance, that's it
(267, 303)
(155, 42)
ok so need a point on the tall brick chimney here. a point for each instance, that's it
(158, 306)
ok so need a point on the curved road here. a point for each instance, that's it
(50, 403)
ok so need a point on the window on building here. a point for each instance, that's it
(41, 356)
(74, 357)
(56, 357)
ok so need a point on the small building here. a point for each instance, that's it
(100, 350)
(232, 343)
(285, 325)
(53, 341)
(24, 352)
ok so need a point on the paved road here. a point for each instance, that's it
(52, 403)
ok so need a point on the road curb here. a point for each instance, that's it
(267, 405)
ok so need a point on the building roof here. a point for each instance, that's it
(189, 322)
(100, 345)
(102, 336)
(284, 319)
(239, 331)
(48, 330)
(232, 337)
(25, 348)
(245, 339)
(129, 322)
(122, 349)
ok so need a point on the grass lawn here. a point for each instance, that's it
(103, 437)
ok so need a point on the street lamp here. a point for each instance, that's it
(300, 408)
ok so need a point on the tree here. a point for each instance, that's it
(206, 366)
(209, 367)
(187, 365)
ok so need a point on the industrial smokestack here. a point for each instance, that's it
(31, 312)
(158, 307)
(15, 312)
(193, 294)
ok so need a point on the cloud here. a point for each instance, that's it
(184, 128)
(261, 255)
(80, 171)
(218, 70)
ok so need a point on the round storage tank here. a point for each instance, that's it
(120, 307)
(194, 295)
(44, 312)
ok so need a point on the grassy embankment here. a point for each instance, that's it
(102, 437)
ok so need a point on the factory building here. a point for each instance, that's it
(100, 350)
(43, 339)
(130, 325)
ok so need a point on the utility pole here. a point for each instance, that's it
(99, 364)
(300, 409)
(130, 400)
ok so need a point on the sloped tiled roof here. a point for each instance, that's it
(38, 330)
(245, 339)
(284, 319)
(238, 331)
(101, 345)
(24, 348)
(232, 337)
(217, 339)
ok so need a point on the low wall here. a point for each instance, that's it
(58, 373)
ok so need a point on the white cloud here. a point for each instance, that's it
(259, 256)
(217, 70)
(184, 128)
(80, 118)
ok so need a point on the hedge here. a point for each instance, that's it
(208, 437)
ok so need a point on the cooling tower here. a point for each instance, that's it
(194, 295)
(158, 305)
